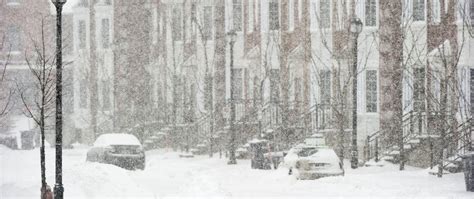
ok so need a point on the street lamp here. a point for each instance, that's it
(58, 187)
(232, 160)
(355, 29)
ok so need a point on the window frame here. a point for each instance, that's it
(369, 13)
(371, 91)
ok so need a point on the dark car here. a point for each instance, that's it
(123, 150)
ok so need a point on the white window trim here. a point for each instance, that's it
(300, 10)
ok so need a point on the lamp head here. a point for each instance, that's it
(232, 35)
(58, 1)
(356, 25)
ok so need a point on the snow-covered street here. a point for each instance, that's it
(167, 176)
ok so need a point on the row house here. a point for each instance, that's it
(291, 66)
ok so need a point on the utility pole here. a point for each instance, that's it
(58, 187)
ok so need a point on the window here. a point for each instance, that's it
(419, 89)
(13, 38)
(325, 87)
(471, 11)
(371, 91)
(291, 18)
(274, 85)
(105, 32)
(82, 34)
(193, 11)
(471, 86)
(237, 87)
(435, 11)
(177, 24)
(106, 95)
(324, 14)
(83, 93)
(251, 16)
(418, 10)
(370, 13)
(273, 13)
(237, 14)
(298, 91)
(207, 22)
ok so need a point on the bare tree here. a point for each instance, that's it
(39, 102)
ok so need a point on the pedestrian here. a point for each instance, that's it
(49, 193)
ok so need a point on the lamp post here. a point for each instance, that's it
(58, 187)
(355, 30)
(232, 160)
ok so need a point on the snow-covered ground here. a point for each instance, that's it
(168, 176)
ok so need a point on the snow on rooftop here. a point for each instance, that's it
(116, 139)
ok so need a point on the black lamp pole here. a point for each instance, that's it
(232, 159)
(355, 29)
(58, 187)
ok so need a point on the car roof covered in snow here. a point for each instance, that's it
(116, 139)
(324, 155)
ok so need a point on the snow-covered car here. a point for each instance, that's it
(312, 162)
(123, 150)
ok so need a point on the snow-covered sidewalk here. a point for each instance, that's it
(167, 176)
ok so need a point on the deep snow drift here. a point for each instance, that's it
(166, 175)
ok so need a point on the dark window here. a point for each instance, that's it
(237, 83)
(177, 24)
(370, 12)
(325, 87)
(83, 93)
(237, 14)
(324, 13)
(106, 95)
(472, 91)
(371, 91)
(419, 89)
(418, 10)
(471, 11)
(82, 34)
(207, 22)
(274, 85)
(105, 31)
(13, 38)
(273, 15)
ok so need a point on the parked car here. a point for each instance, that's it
(313, 162)
(123, 150)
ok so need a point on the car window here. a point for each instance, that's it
(307, 152)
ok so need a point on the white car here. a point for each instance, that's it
(312, 162)
(123, 150)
